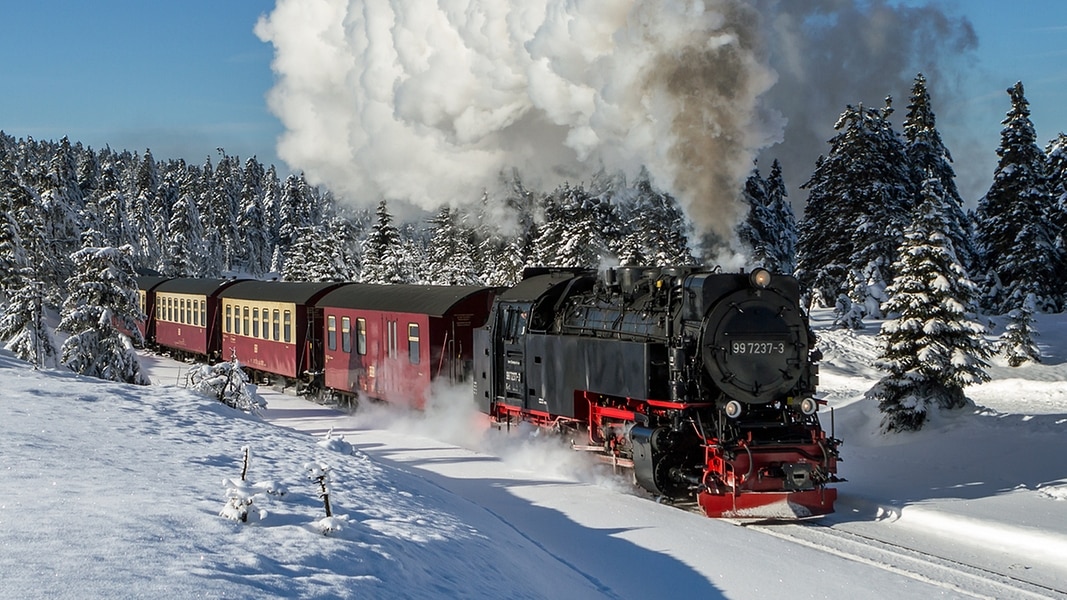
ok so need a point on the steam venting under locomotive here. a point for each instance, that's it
(703, 382)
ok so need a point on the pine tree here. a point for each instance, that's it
(930, 348)
(1056, 151)
(859, 200)
(927, 154)
(1018, 254)
(781, 253)
(383, 256)
(23, 327)
(753, 230)
(184, 246)
(450, 261)
(103, 298)
(317, 255)
(1017, 341)
(145, 209)
(768, 232)
(253, 250)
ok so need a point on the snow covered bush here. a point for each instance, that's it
(320, 474)
(1017, 341)
(240, 495)
(228, 383)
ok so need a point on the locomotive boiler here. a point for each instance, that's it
(702, 382)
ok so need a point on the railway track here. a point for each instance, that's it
(959, 579)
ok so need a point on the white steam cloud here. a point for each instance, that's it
(428, 101)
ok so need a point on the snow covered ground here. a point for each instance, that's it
(115, 491)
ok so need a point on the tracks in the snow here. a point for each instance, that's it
(955, 577)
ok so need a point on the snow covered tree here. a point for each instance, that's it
(316, 255)
(106, 221)
(859, 200)
(1017, 341)
(930, 348)
(14, 263)
(450, 255)
(580, 229)
(145, 210)
(1016, 245)
(769, 229)
(103, 298)
(927, 154)
(56, 234)
(253, 250)
(24, 329)
(184, 246)
(383, 255)
(1056, 151)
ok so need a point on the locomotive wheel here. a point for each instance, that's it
(667, 485)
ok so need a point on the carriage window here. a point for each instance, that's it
(244, 319)
(276, 321)
(361, 336)
(170, 308)
(195, 308)
(255, 322)
(287, 326)
(203, 313)
(413, 343)
(346, 334)
(229, 318)
(331, 332)
(266, 324)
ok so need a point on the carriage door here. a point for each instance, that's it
(512, 365)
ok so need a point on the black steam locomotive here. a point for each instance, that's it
(703, 382)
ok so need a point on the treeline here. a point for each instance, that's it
(225, 218)
(885, 235)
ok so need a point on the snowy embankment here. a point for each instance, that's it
(109, 490)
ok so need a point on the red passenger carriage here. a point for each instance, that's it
(186, 316)
(392, 342)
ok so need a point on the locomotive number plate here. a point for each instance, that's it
(757, 347)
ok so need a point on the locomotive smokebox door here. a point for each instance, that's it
(754, 346)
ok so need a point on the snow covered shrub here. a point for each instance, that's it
(320, 474)
(228, 383)
(847, 315)
(1017, 341)
(240, 495)
(336, 443)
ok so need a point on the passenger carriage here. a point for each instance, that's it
(186, 316)
(392, 342)
(274, 329)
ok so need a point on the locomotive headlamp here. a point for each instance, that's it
(732, 409)
(808, 406)
(760, 278)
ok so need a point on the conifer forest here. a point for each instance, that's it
(882, 233)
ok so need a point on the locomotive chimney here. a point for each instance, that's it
(611, 281)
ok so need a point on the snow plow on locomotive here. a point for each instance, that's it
(702, 382)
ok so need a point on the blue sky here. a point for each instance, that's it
(184, 78)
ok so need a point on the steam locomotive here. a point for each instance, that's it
(703, 382)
